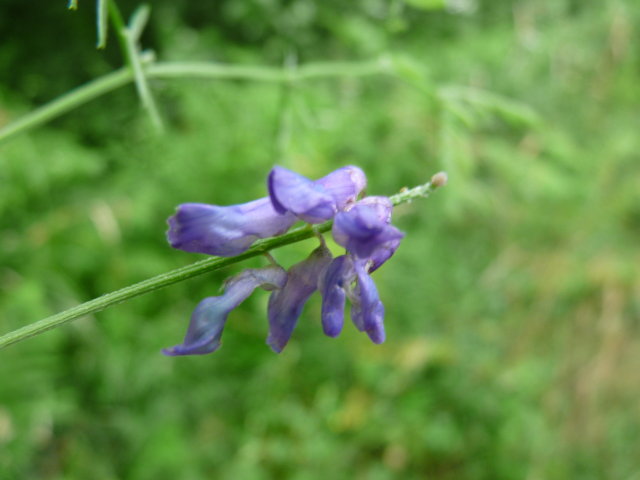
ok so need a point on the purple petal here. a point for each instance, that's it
(225, 231)
(285, 305)
(290, 192)
(315, 202)
(367, 311)
(210, 316)
(382, 206)
(370, 213)
(344, 185)
(365, 228)
(333, 286)
(382, 254)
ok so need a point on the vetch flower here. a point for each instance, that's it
(314, 202)
(333, 287)
(344, 185)
(363, 227)
(293, 193)
(365, 231)
(230, 230)
(225, 231)
(285, 304)
(210, 316)
(366, 227)
(348, 277)
(367, 311)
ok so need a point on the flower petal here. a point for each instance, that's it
(365, 228)
(333, 286)
(285, 305)
(332, 289)
(291, 192)
(382, 254)
(382, 206)
(314, 202)
(225, 231)
(367, 311)
(344, 185)
(210, 316)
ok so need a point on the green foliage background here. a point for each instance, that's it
(513, 304)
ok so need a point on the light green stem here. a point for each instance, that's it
(119, 78)
(184, 273)
(131, 35)
(67, 102)
(102, 18)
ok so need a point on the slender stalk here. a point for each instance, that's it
(138, 21)
(122, 77)
(118, 25)
(269, 74)
(128, 36)
(67, 102)
(282, 136)
(102, 23)
(189, 271)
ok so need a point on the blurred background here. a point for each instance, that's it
(513, 304)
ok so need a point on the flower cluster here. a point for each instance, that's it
(363, 227)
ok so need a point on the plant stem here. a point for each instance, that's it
(186, 272)
(131, 35)
(123, 76)
(67, 102)
(102, 23)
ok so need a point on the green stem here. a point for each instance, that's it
(67, 102)
(102, 23)
(118, 25)
(189, 271)
(128, 36)
(267, 74)
(119, 78)
(131, 36)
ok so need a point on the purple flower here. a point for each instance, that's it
(285, 305)
(290, 192)
(367, 311)
(333, 287)
(365, 227)
(314, 202)
(210, 316)
(229, 231)
(225, 231)
(370, 239)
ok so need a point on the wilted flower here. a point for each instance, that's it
(362, 227)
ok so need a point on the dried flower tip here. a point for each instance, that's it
(440, 179)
